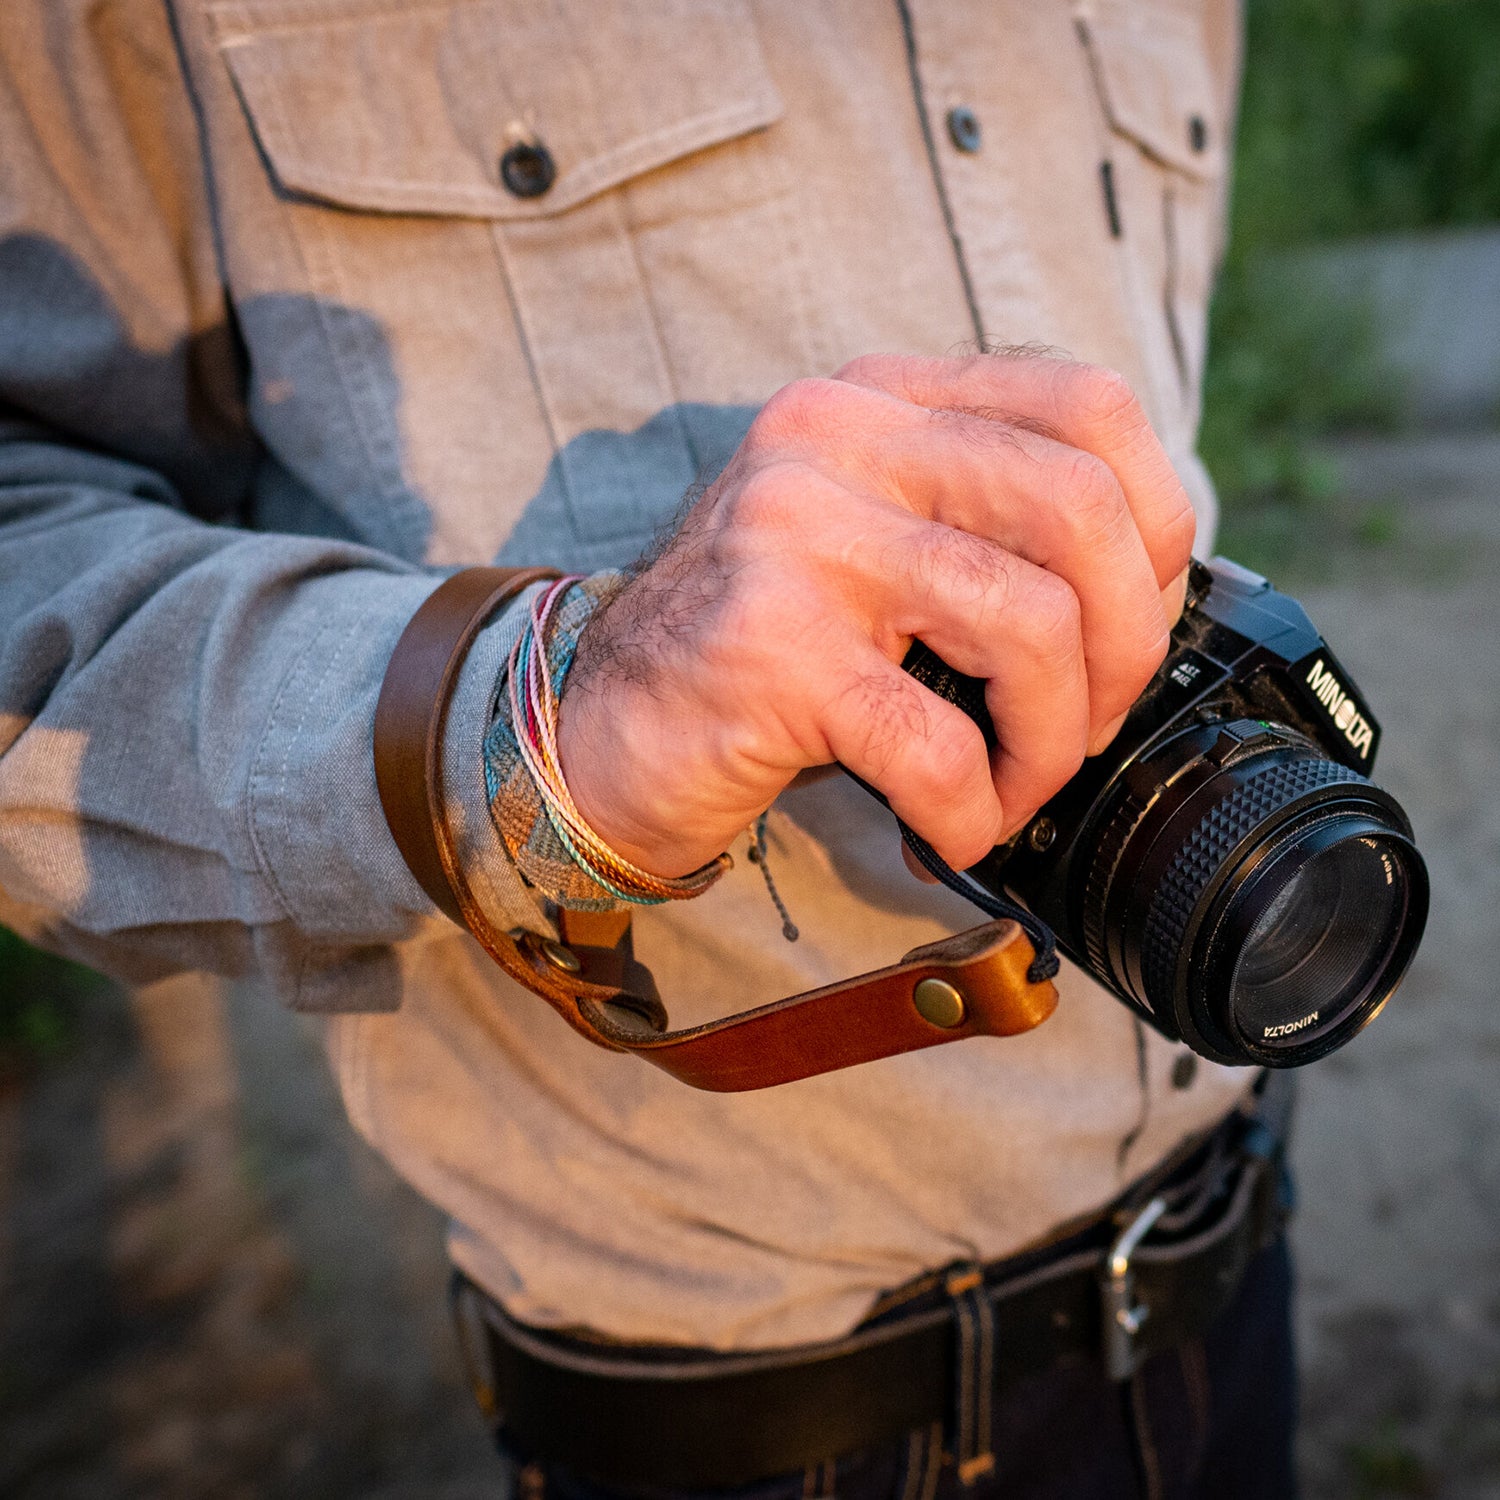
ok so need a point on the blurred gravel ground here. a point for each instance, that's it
(1399, 1134)
(209, 1288)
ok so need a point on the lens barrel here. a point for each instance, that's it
(1256, 897)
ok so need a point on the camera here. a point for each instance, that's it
(1225, 867)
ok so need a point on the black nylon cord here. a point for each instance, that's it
(1046, 963)
(761, 855)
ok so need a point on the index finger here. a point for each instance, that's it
(1085, 406)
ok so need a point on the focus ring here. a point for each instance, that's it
(1202, 855)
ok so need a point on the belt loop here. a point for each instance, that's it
(819, 1481)
(924, 1462)
(973, 1373)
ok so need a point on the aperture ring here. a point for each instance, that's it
(1203, 854)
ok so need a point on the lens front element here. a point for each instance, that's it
(1328, 921)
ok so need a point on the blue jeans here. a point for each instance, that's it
(1212, 1419)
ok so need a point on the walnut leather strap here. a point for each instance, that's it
(973, 983)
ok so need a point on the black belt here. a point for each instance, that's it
(1155, 1270)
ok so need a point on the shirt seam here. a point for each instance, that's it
(919, 93)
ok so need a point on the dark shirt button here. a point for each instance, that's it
(963, 128)
(528, 170)
(1184, 1070)
(1197, 133)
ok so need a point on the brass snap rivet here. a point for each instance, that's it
(939, 1002)
(561, 958)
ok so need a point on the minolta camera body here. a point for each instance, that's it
(1225, 867)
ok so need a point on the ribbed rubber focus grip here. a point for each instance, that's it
(1203, 853)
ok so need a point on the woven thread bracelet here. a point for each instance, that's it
(533, 684)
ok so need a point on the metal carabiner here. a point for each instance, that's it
(1123, 1315)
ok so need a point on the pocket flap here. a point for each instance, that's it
(1154, 78)
(408, 106)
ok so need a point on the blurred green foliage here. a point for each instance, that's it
(1363, 116)
(1358, 117)
(1384, 1465)
(40, 999)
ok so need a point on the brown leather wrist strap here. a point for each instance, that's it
(972, 984)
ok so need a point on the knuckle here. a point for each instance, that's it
(1053, 622)
(952, 750)
(957, 564)
(949, 796)
(1089, 497)
(867, 369)
(765, 500)
(1103, 396)
(891, 720)
(798, 411)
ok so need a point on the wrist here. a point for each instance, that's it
(554, 842)
(612, 760)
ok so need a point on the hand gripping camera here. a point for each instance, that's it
(1225, 867)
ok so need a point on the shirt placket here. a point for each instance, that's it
(1030, 229)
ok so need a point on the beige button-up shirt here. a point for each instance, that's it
(277, 340)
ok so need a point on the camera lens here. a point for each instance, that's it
(1255, 897)
(1328, 920)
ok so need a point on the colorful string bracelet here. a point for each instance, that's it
(538, 664)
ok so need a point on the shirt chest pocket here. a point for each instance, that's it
(503, 189)
(1164, 175)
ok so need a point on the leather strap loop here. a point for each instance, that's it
(412, 706)
(593, 979)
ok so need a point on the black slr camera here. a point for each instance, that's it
(1225, 867)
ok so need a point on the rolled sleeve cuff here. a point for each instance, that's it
(314, 811)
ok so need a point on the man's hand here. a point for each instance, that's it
(1016, 513)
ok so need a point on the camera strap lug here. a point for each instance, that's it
(1123, 1315)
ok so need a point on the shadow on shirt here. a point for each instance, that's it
(242, 424)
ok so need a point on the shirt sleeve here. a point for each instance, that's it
(186, 704)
